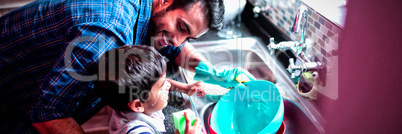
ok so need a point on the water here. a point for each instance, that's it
(251, 117)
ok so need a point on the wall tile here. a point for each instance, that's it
(325, 61)
(321, 20)
(333, 37)
(309, 12)
(319, 56)
(321, 42)
(333, 44)
(319, 34)
(315, 16)
(275, 10)
(309, 33)
(323, 52)
(316, 46)
(323, 29)
(325, 38)
(279, 25)
(312, 28)
(314, 37)
(288, 32)
(282, 22)
(298, 3)
(317, 25)
(290, 10)
(277, 18)
(334, 53)
(283, 11)
(310, 19)
(289, 22)
(330, 34)
(328, 25)
(336, 38)
(336, 29)
(284, 18)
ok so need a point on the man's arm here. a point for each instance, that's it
(189, 57)
(70, 80)
(59, 126)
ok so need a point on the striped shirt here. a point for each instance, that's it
(48, 56)
(136, 123)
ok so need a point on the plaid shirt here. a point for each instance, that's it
(49, 52)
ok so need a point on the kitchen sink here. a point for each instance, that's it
(250, 54)
(226, 58)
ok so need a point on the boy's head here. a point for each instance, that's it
(132, 78)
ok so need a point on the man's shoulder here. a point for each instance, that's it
(103, 10)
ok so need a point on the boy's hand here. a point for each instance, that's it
(195, 88)
(195, 129)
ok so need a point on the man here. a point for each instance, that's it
(49, 50)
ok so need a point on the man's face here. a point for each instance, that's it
(175, 26)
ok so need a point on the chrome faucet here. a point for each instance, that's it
(300, 49)
(304, 66)
(284, 45)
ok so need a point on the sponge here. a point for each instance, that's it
(242, 78)
(180, 120)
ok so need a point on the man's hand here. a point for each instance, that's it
(225, 78)
(59, 126)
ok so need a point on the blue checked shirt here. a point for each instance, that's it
(49, 52)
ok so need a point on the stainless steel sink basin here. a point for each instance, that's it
(247, 59)
(250, 54)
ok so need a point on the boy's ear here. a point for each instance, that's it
(167, 3)
(137, 106)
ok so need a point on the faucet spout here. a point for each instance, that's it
(300, 22)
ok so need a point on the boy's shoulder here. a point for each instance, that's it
(137, 127)
(135, 123)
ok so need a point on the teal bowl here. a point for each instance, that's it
(257, 109)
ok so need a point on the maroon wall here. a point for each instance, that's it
(370, 70)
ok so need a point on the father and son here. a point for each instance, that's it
(63, 61)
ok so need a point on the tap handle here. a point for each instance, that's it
(261, 7)
(271, 40)
(270, 45)
(256, 10)
(291, 65)
(293, 69)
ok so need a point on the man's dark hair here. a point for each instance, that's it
(212, 9)
(128, 73)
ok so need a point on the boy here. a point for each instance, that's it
(134, 84)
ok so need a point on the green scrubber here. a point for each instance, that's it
(180, 120)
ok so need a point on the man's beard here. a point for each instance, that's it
(154, 28)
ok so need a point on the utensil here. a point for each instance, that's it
(256, 109)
